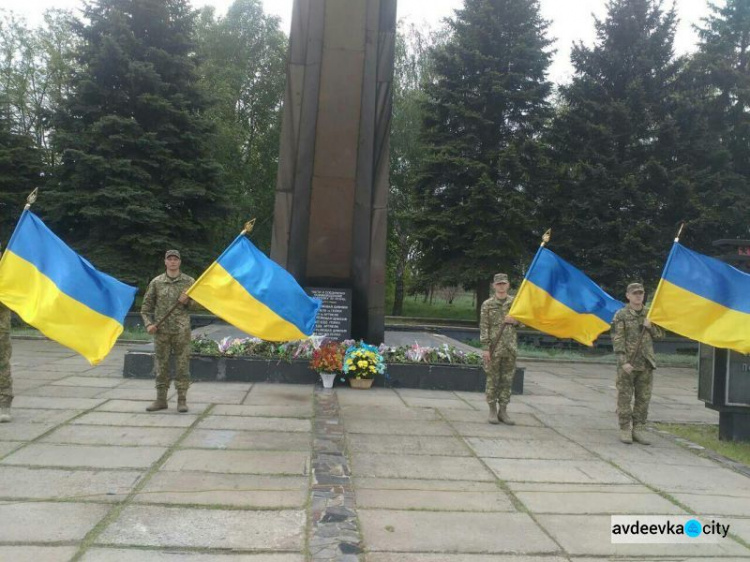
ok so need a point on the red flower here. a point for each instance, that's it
(328, 358)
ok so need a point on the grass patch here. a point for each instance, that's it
(708, 436)
(462, 308)
(138, 333)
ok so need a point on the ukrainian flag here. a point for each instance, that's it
(255, 294)
(703, 299)
(61, 294)
(558, 299)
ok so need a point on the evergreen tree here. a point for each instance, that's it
(714, 121)
(484, 110)
(136, 175)
(617, 194)
(20, 173)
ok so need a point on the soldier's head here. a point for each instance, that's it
(635, 295)
(172, 261)
(501, 285)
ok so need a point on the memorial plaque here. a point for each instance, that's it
(335, 316)
(706, 373)
(738, 379)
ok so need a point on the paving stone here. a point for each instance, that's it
(238, 462)
(407, 445)
(201, 528)
(434, 500)
(62, 391)
(445, 557)
(53, 417)
(586, 498)
(85, 456)
(502, 431)
(19, 431)
(88, 381)
(389, 413)
(662, 454)
(258, 440)
(411, 531)
(158, 419)
(120, 436)
(444, 404)
(28, 553)
(591, 535)
(225, 489)
(43, 522)
(140, 555)
(132, 394)
(371, 397)
(724, 504)
(255, 424)
(420, 466)
(139, 406)
(7, 447)
(527, 449)
(56, 403)
(297, 411)
(571, 471)
(86, 485)
(679, 478)
(398, 427)
(480, 416)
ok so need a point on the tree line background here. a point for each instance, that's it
(150, 125)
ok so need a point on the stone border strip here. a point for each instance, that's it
(334, 532)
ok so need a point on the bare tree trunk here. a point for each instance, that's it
(398, 297)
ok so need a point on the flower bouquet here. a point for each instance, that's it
(328, 360)
(361, 363)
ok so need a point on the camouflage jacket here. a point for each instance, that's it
(4, 318)
(491, 318)
(162, 293)
(626, 330)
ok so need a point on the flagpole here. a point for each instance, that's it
(30, 199)
(545, 238)
(658, 288)
(248, 228)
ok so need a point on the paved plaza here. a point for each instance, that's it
(285, 473)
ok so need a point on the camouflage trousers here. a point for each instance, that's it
(500, 373)
(636, 384)
(177, 345)
(6, 382)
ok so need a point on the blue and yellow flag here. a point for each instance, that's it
(558, 299)
(256, 295)
(61, 294)
(703, 299)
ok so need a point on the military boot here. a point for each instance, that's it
(639, 435)
(503, 416)
(493, 413)
(626, 436)
(161, 401)
(182, 401)
(5, 414)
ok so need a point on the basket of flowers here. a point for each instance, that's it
(328, 361)
(361, 363)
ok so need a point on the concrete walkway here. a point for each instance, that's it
(281, 473)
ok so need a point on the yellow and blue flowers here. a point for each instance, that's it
(363, 361)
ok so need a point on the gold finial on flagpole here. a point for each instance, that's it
(31, 199)
(682, 225)
(546, 236)
(248, 227)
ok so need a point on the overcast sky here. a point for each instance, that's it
(571, 19)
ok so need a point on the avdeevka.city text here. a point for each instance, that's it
(668, 528)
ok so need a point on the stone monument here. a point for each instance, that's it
(330, 212)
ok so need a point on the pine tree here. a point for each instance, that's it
(20, 173)
(136, 177)
(714, 123)
(617, 195)
(484, 111)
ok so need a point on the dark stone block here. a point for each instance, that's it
(139, 364)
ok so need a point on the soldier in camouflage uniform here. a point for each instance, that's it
(6, 382)
(172, 337)
(500, 362)
(635, 364)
